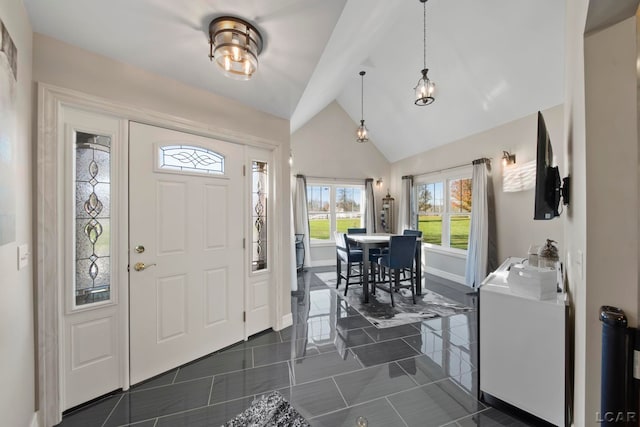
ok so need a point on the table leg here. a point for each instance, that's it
(419, 268)
(365, 273)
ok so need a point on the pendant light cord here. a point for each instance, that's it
(361, 95)
(424, 4)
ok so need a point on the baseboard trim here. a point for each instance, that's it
(323, 263)
(35, 421)
(445, 275)
(286, 321)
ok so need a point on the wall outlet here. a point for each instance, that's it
(23, 256)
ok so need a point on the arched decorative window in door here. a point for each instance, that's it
(188, 158)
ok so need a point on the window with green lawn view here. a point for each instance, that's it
(444, 211)
(334, 207)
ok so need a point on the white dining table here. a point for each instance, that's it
(381, 240)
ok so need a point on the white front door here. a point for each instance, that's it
(186, 214)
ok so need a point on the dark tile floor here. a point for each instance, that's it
(332, 365)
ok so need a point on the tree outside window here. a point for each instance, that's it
(444, 216)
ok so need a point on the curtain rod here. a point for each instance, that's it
(451, 167)
(320, 178)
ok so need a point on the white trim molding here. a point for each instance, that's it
(286, 321)
(445, 275)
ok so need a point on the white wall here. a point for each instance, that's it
(326, 147)
(63, 65)
(602, 142)
(516, 229)
(576, 223)
(17, 356)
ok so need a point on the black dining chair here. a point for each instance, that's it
(350, 256)
(417, 233)
(374, 253)
(402, 250)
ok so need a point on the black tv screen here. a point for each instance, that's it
(547, 196)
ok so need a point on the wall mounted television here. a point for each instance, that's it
(549, 187)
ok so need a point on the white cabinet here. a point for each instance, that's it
(522, 348)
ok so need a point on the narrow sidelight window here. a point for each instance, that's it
(260, 195)
(92, 218)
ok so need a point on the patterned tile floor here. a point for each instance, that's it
(332, 365)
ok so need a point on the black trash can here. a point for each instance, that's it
(613, 405)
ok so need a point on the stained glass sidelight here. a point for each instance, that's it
(259, 215)
(187, 158)
(92, 218)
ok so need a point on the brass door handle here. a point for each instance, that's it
(139, 266)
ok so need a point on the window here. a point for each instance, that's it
(260, 195)
(443, 206)
(334, 207)
(190, 159)
(92, 218)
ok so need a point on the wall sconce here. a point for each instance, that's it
(290, 158)
(508, 158)
(379, 182)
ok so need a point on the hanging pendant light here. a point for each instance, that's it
(362, 134)
(425, 89)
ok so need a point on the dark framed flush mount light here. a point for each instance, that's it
(235, 45)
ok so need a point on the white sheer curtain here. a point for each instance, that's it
(405, 204)
(478, 248)
(300, 215)
(369, 206)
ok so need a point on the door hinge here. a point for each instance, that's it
(244, 243)
(244, 316)
(128, 268)
(244, 170)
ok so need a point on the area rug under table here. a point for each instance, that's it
(271, 410)
(381, 314)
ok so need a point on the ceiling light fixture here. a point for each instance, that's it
(425, 88)
(362, 134)
(235, 45)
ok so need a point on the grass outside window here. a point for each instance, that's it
(319, 229)
(431, 227)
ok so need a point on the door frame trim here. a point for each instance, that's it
(50, 227)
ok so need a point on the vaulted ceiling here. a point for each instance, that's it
(493, 61)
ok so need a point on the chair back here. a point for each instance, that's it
(402, 250)
(356, 231)
(341, 246)
(344, 249)
(409, 232)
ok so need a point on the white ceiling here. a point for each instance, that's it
(493, 61)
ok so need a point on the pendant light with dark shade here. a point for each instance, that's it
(425, 89)
(362, 134)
